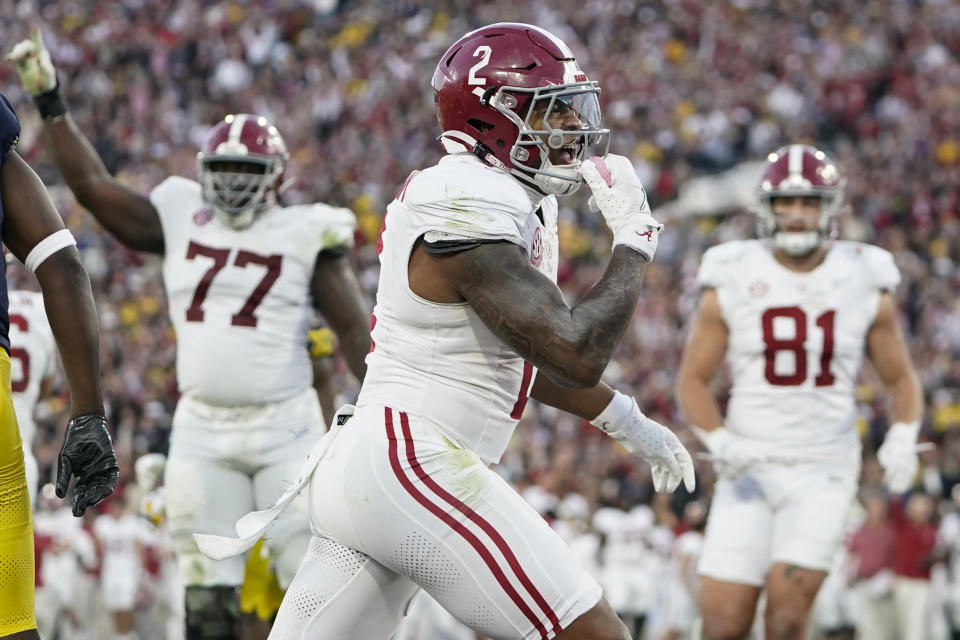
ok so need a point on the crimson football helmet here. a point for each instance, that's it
(506, 92)
(240, 168)
(799, 170)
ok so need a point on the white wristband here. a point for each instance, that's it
(617, 412)
(914, 426)
(47, 247)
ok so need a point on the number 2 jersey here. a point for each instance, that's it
(439, 361)
(796, 341)
(240, 300)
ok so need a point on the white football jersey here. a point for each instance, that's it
(796, 340)
(33, 356)
(119, 539)
(240, 300)
(439, 361)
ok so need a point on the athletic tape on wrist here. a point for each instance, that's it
(47, 247)
(914, 426)
(617, 411)
(50, 104)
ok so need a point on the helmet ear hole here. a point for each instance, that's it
(479, 125)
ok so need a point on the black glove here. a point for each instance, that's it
(87, 453)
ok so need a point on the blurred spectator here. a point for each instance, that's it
(872, 548)
(915, 538)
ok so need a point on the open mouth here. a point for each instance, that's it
(568, 154)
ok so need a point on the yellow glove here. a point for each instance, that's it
(31, 60)
(320, 342)
(261, 593)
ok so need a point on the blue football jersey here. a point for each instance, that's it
(9, 132)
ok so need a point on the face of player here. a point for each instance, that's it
(562, 116)
(797, 214)
(238, 181)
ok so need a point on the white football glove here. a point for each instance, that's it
(898, 456)
(618, 194)
(731, 454)
(31, 60)
(669, 460)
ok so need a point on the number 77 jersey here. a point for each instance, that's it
(240, 300)
(796, 340)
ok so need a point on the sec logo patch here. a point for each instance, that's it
(202, 217)
(536, 248)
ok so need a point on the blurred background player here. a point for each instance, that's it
(123, 539)
(33, 360)
(34, 233)
(243, 274)
(68, 565)
(794, 313)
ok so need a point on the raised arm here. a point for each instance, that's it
(526, 310)
(125, 213)
(337, 295)
(30, 220)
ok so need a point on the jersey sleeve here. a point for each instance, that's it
(336, 225)
(9, 128)
(884, 274)
(169, 198)
(475, 205)
(715, 265)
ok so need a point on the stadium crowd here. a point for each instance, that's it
(689, 89)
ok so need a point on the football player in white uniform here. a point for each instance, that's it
(794, 312)
(123, 538)
(33, 360)
(468, 321)
(243, 275)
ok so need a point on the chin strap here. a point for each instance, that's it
(458, 142)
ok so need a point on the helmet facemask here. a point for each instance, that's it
(560, 127)
(238, 188)
(799, 243)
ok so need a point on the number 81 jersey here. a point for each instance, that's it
(796, 340)
(240, 300)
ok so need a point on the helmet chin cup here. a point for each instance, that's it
(563, 180)
(235, 221)
(796, 243)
